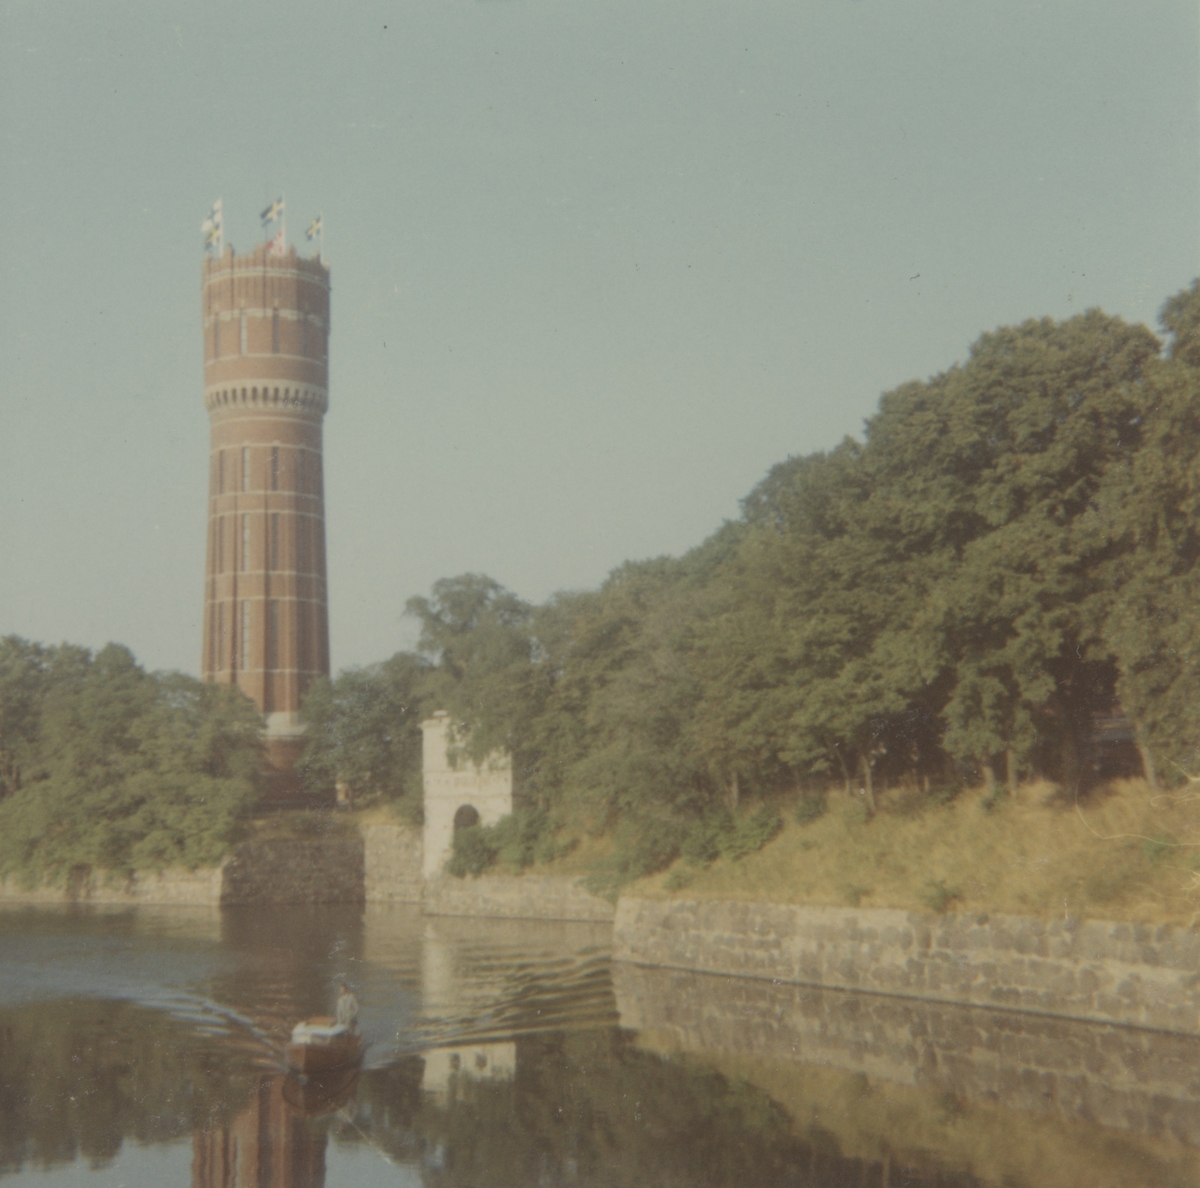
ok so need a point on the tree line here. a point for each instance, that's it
(1006, 558)
(105, 766)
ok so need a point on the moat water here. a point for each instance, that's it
(144, 1047)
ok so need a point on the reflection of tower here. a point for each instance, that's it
(266, 1146)
(266, 621)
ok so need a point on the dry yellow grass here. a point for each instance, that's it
(1121, 852)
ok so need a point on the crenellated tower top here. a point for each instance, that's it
(266, 330)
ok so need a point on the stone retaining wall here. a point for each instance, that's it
(530, 897)
(1117, 973)
(319, 869)
(201, 886)
(391, 864)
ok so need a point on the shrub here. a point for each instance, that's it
(474, 851)
(750, 833)
(938, 897)
(812, 807)
(721, 834)
(643, 845)
(517, 840)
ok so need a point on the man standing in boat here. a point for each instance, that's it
(347, 1009)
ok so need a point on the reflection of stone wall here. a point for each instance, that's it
(530, 897)
(1121, 973)
(1118, 1077)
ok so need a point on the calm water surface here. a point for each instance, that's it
(144, 1047)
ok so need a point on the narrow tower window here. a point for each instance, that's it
(275, 332)
(274, 550)
(245, 468)
(242, 332)
(300, 471)
(220, 544)
(245, 634)
(272, 634)
(220, 635)
(220, 472)
(245, 543)
(274, 468)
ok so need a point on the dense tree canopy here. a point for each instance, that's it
(105, 765)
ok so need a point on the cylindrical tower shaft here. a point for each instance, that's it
(266, 618)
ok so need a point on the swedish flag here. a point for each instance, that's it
(272, 212)
(315, 228)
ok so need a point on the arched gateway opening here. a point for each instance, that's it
(466, 816)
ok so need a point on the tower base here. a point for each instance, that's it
(285, 742)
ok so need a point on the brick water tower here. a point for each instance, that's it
(266, 617)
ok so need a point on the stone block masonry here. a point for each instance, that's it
(527, 897)
(392, 864)
(1108, 972)
(320, 869)
(190, 887)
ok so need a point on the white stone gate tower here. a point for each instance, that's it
(456, 796)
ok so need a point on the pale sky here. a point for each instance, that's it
(596, 267)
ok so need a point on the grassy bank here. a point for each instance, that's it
(1122, 853)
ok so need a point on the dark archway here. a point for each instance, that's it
(466, 816)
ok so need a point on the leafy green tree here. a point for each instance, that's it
(477, 636)
(23, 669)
(364, 730)
(1153, 507)
(125, 769)
(1180, 317)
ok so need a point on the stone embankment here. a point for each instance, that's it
(1102, 971)
(376, 863)
(521, 897)
(187, 887)
(320, 869)
(391, 864)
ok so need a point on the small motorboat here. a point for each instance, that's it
(320, 1045)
